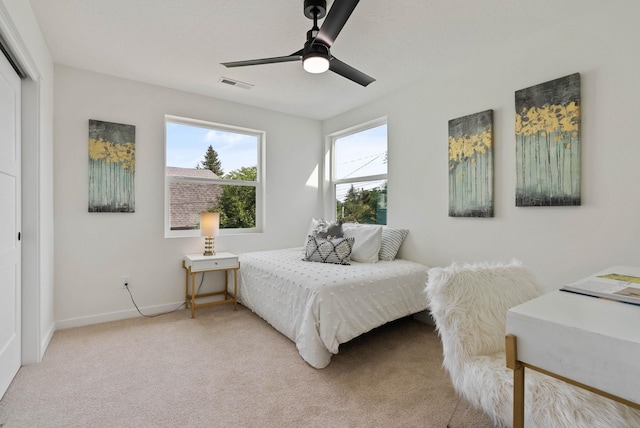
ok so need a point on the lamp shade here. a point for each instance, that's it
(209, 223)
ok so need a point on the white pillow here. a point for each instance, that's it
(367, 241)
(312, 226)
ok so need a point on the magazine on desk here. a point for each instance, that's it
(613, 286)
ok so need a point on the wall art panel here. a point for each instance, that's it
(471, 165)
(548, 143)
(112, 155)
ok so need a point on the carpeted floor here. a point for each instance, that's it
(231, 369)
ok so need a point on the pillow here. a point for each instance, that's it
(329, 230)
(392, 239)
(337, 251)
(367, 241)
(312, 227)
(324, 229)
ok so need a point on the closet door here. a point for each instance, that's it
(10, 215)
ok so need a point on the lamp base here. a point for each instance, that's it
(208, 246)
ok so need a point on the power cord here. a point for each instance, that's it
(126, 285)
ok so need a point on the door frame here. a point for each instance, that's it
(34, 343)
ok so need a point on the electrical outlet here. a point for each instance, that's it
(126, 282)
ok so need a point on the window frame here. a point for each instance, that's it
(330, 163)
(259, 184)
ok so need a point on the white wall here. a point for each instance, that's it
(94, 250)
(559, 244)
(22, 33)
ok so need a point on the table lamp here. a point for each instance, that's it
(209, 225)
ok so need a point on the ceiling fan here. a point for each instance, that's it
(316, 54)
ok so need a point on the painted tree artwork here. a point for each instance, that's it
(471, 165)
(548, 143)
(112, 155)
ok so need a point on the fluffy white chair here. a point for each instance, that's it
(469, 303)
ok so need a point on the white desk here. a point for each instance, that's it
(589, 342)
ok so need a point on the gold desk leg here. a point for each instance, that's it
(518, 381)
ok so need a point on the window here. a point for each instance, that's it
(212, 167)
(359, 173)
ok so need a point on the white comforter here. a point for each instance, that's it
(319, 306)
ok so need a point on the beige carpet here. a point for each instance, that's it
(231, 369)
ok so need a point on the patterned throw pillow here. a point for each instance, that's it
(392, 239)
(337, 251)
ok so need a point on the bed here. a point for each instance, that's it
(321, 305)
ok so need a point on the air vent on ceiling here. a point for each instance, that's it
(237, 83)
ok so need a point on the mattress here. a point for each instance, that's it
(320, 305)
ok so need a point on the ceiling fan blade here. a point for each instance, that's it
(296, 56)
(349, 72)
(335, 20)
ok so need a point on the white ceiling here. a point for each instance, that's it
(181, 43)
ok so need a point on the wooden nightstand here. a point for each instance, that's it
(197, 263)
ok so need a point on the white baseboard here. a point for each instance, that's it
(115, 316)
(46, 340)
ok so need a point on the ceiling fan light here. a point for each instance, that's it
(315, 63)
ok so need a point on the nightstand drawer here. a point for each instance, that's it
(200, 263)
